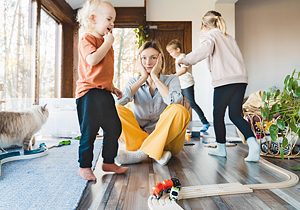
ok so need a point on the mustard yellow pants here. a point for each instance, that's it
(169, 133)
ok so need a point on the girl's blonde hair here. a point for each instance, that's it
(213, 18)
(157, 47)
(83, 15)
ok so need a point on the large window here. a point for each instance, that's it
(18, 55)
(126, 52)
(16, 50)
(50, 54)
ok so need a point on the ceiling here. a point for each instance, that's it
(75, 4)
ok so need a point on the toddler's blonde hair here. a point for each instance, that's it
(213, 18)
(83, 15)
(175, 43)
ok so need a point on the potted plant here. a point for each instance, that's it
(287, 109)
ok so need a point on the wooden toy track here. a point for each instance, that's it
(222, 189)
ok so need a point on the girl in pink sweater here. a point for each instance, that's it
(229, 79)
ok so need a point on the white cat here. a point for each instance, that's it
(18, 128)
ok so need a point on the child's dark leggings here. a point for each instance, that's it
(232, 96)
(188, 93)
(97, 109)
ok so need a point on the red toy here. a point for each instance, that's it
(167, 185)
(157, 190)
(164, 186)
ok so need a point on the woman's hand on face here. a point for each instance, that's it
(157, 68)
(141, 69)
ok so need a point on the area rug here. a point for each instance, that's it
(47, 182)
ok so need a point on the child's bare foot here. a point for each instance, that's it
(87, 173)
(113, 168)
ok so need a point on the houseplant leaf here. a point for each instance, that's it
(263, 113)
(297, 92)
(291, 80)
(281, 153)
(269, 94)
(277, 108)
(286, 79)
(285, 142)
(263, 98)
(294, 85)
(273, 132)
(298, 133)
(293, 127)
(280, 123)
(276, 94)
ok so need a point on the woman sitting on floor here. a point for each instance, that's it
(156, 127)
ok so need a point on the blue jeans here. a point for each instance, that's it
(97, 109)
(188, 93)
(232, 96)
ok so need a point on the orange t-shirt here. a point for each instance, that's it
(98, 76)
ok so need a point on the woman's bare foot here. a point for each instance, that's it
(87, 173)
(113, 168)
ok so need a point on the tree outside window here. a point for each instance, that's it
(16, 50)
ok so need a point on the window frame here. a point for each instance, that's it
(63, 14)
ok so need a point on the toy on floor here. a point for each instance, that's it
(11, 156)
(61, 143)
(168, 202)
(174, 193)
(165, 186)
(214, 144)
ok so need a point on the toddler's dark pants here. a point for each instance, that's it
(97, 109)
(232, 96)
(188, 93)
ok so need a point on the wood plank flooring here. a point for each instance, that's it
(193, 166)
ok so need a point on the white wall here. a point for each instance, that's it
(268, 33)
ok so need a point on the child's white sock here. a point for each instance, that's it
(164, 158)
(219, 151)
(254, 150)
(129, 157)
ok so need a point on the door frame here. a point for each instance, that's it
(186, 27)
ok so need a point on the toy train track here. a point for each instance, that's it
(12, 156)
(222, 189)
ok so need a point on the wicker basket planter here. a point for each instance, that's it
(268, 147)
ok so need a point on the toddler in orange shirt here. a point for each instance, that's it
(95, 103)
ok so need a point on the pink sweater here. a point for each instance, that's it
(225, 61)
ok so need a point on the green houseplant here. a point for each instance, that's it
(140, 36)
(287, 106)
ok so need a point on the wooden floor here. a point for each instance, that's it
(193, 166)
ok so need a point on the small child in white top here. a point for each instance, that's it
(229, 79)
(186, 80)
